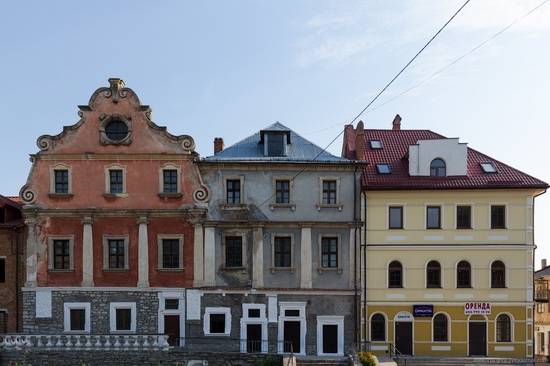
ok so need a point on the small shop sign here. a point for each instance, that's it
(423, 310)
(477, 308)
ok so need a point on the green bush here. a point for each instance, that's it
(366, 359)
(270, 361)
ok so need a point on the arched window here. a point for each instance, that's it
(440, 328)
(433, 274)
(504, 328)
(437, 168)
(463, 275)
(378, 328)
(498, 275)
(395, 274)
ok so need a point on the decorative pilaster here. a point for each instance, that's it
(257, 258)
(198, 258)
(87, 252)
(31, 266)
(306, 263)
(209, 257)
(143, 252)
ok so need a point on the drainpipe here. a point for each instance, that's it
(533, 279)
(357, 329)
(364, 246)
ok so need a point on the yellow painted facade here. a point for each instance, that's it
(414, 246)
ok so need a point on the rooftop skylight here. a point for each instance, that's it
(488, 167)
(383, 168)
(375, 144)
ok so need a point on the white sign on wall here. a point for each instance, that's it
(477, 308)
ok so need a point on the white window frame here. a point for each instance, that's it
(262, 320)
(330, 320)
(337, 205)
(51, 240)
(301, 307)
(163, 296)
(112, 316)
(320, 267)
(217, 310)
(67, 307)
(61, 166)
(160, 239)
(292, 263)
(290, 203)
(108, 169)
(244, 249)
(106, 239)
(169, 166)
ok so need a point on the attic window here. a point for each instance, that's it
(375, 144)
(275, 143)
(383, 168)
(488, 167)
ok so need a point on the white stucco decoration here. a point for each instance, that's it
(193, 305)
(272, 308)
(452, 152)
(43, 304)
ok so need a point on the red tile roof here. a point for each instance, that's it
(395, 153)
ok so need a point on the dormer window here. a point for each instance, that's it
(275, 144)
(375, 144)
(488, 167)
(437, 168)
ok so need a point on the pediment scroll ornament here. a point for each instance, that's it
(116, 90)
(27, 195)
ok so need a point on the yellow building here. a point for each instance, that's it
(542, 313)
(447, 251)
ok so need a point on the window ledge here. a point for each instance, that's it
(329, 205)
(273, 206)
(77, 332)
(234, 269)
(116, 269)
(60, 195)
(290, 269)
(54, 270)
(170, 269)
(216, 334)
(115, 195)
(329, 269)
(233, 206)
(122, 332)
(170, 195)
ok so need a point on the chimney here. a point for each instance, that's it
(396, 123)
(360, 142)
(218, 145)
(543, 263)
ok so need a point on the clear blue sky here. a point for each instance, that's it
(229, 68)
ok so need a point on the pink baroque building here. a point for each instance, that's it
(114, 206)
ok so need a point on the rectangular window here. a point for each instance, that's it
(329, 252)
(329, 192)
(396, 217)
(433, 217)
(463, 217)
(61, 181)
(3, 321)
(282, 191)
(77, 319)
(275, 144)
(116, 253)
(233, 190)
(233, 251)
(2, 215)
(170, 253)
(2, 270)
(170, 181)
(123, 319)
(498, 217)
(171, 304)
(61, 254)
(254, 313)
(540, 307)
(217, 323)
(116, 181)
(282, 252)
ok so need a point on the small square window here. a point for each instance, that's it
(375, 144)
(217, 321)
(488, 167)
(383, 168)
(253, 313)
(123, 316)
(77, 317)
(171, 304)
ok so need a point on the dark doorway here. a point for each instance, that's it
(403, 337)
(291, 337)
(477, 339)
(330, 338)
(172, 328)
(253, 338)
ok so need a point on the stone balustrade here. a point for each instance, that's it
(86, 341)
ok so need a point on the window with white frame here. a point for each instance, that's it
(122, 317)
(217, 321)
(170, 180)
(61, 179)
(115, 179)
(61, 253)
(170, 251)
(76, 317)
(115, 252)
(329, 253)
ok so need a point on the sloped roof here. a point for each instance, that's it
(14, 202)
(395, 149)
(543, 272)
(298, 149)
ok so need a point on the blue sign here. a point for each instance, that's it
(423, 310)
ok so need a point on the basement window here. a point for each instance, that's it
(383, 168)
(375, 144)
(488, 167)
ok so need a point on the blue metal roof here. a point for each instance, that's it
(298, 149)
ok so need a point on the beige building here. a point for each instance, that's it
(542, 311)
(447, 251)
